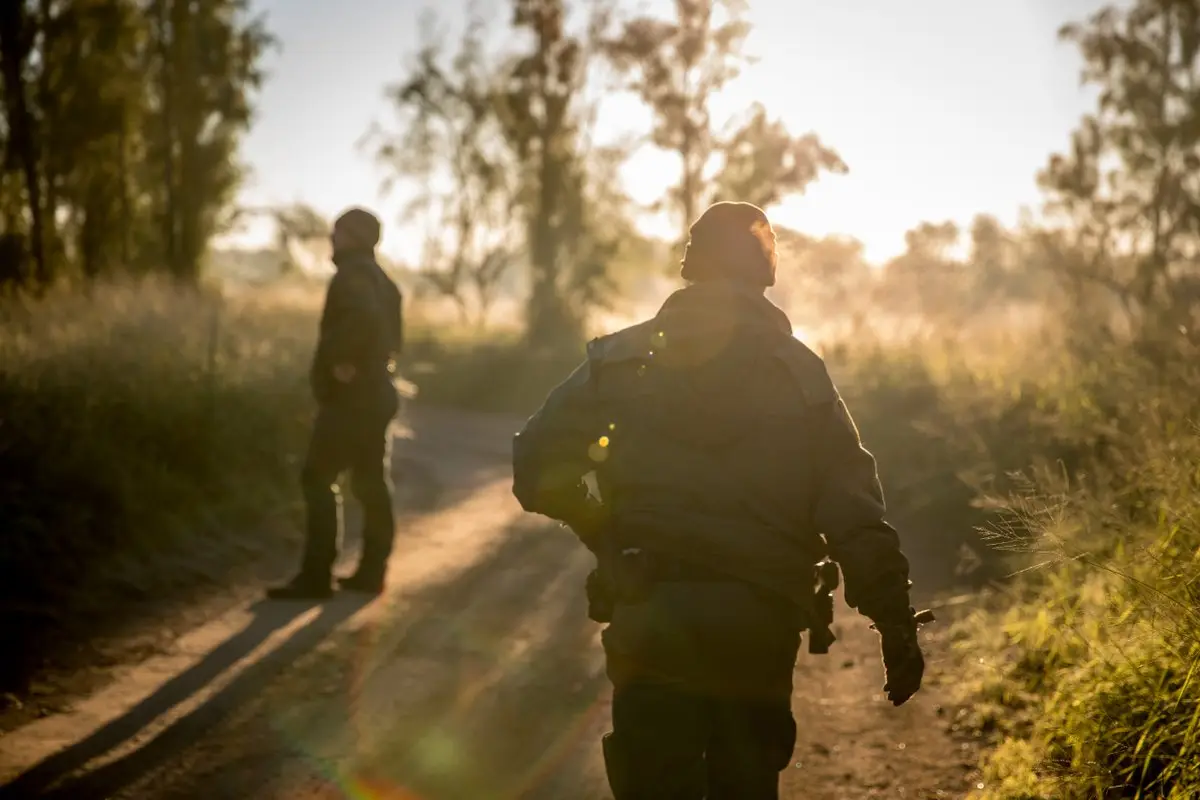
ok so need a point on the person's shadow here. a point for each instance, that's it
(52, 776)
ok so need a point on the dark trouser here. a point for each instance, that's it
(354, 438)
(669, 744)
(702, 683)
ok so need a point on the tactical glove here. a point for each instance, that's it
(903, 663)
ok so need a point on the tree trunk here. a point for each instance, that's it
(126, 205)
(189, 201)
(15, 41)
(546, 314)
(170, 209)
(687, 187)
(52, 247)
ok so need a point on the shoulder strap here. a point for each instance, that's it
(629, 343)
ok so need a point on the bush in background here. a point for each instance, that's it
(142, 428)
(1085, 667)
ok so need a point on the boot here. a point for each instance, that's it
(365, 581)
(302, 587)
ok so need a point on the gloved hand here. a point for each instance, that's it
(903, 664)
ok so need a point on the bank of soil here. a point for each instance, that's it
(477, 676)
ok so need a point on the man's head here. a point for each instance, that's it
(731, 242)
(355, 231)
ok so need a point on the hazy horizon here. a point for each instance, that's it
(941, 110)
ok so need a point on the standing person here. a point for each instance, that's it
(727, 465)
(361, 334)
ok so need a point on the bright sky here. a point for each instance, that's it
(941, 108)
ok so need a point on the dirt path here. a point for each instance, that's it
(477, 677)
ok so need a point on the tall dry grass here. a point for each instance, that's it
(144, 431)
(150, 439)
(1081, 461)
(1084, 667)
(145, 434)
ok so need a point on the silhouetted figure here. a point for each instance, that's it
(727, 466)
(360, 336)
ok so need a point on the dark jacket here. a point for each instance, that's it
(719, 439)
(361, 325)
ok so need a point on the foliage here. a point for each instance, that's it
(450, 141)
(142, 427)
(546, 115)
(675, 66)
(498, 144)
(1126, 192)
(299, 228)
(1097, 647)
(121, 126)
(762, 163)
(1038, 382)
(1097, 644)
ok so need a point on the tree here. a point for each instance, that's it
(927, 280)
(204, 62)
(546, 114)
(450, 143)
(297, 226)
(92, 102)
(16, 49)
(1126, 196)
(763, 163)
(1004, 265)
(823, 280)
(120, 124)
(675, 67)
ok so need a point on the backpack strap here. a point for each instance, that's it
(624, 345)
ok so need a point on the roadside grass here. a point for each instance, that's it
(1084, 669)
(144, 431)
(150, 439)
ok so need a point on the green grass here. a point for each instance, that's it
(1085, 669)
(1081, 461)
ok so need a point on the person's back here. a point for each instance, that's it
(722, 453)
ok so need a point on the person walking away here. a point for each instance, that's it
(726, 465)
(361, 335)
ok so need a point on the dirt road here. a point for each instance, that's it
(477, 677)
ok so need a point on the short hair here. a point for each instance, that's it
(360, 226)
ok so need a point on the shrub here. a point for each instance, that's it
(140, 425)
